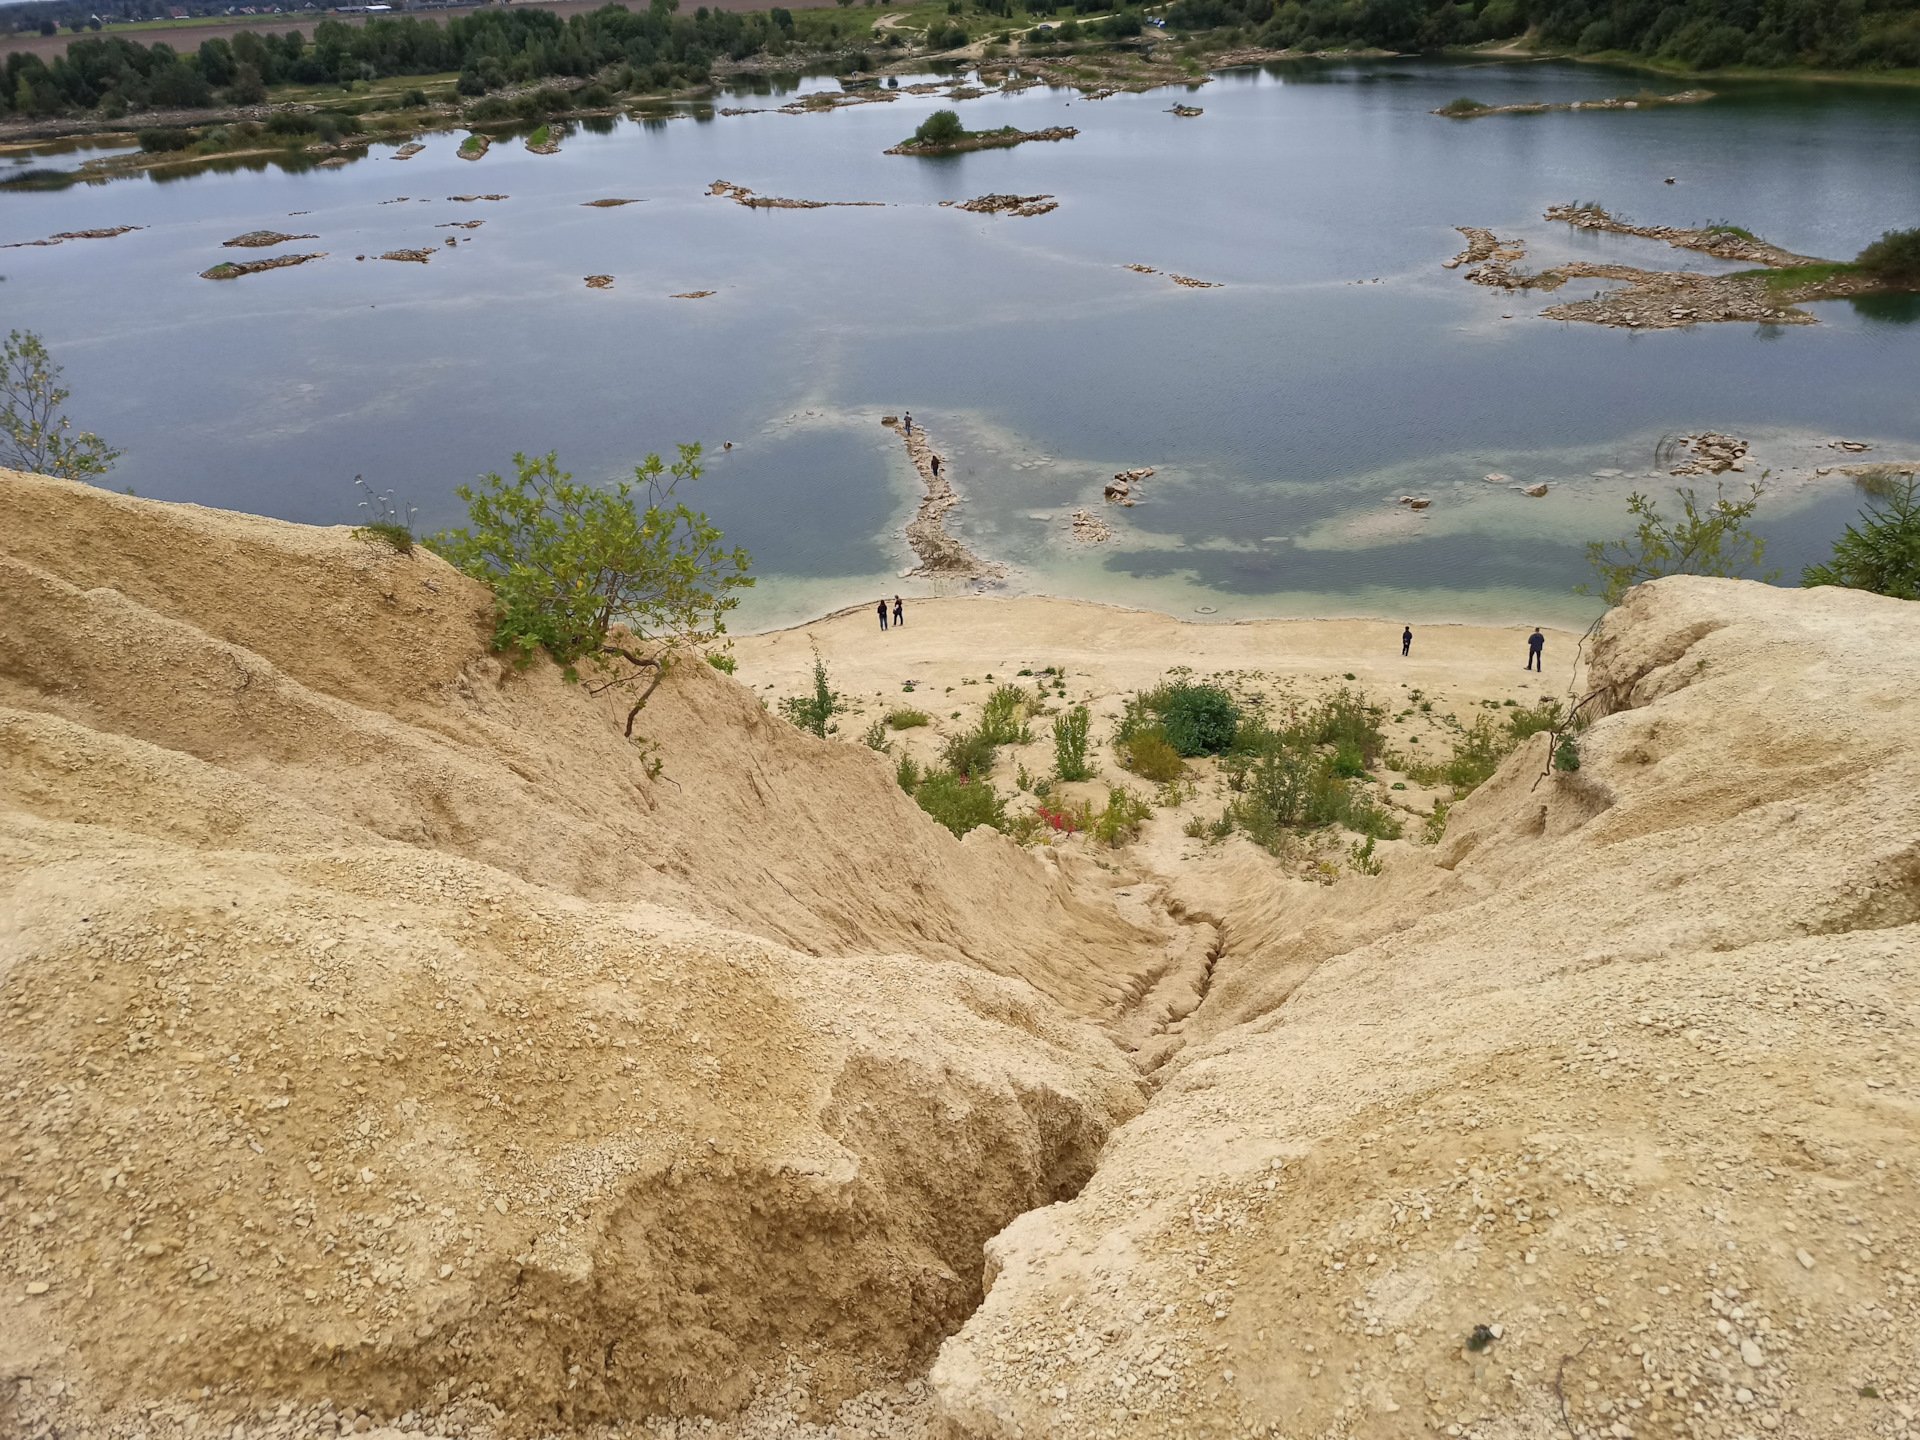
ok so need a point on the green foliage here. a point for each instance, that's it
(1464, 106)
(1193, 719)
(907, 772)
(722, 662)
(1122, 818)
(1002, 718)
(875, 737)
(35, 434)
(1292, 789)
(1882, 552)
(1070, 744)
(1566, 755)
(1435, 826)
(569, 563)
(1894, 257)
(969, 754)
(958, 803)
(1697, 34)
(1361, 859)
(1705, 539)
(814, 712)
(160, 142)
(1149, 755)
(942, 127)
(1198, 719)
(908, 719)
(1348, 721)
(1480, 748)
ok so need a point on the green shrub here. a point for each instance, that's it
(1894, 257)
(1294, 789)
(1070, 744)
(1346, 719)
(1002, 718)
(724, 663)
(1151, 757)
(1122, 818)
(1198, 719)
(1194, 719)
(969, 755)
(1566, 755)
(907, 772)
(908, 719)
(1882, 553)
(875, 737)
(156, 142)
(814, 713)
(959, 804)
(942, 127)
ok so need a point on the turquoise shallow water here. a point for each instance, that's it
(1336, 367)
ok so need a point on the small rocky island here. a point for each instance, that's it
(941, 133)
(1667, 299)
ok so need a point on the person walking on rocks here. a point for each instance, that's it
(899, 613)
(1406, 641)
(881, 610)
(1536, 645)
(907, 424)
(936, 467)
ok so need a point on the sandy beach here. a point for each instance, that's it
(953, 652)
(1110, 651)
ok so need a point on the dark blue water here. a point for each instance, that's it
(1337, 367)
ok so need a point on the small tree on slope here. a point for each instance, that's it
(617, 578)
(1704, 539)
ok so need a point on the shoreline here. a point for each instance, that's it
(862, 610)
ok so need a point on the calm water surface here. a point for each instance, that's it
(1337, 367)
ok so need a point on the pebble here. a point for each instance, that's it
(1751, 1353)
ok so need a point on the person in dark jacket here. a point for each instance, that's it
(1536, 646)
(881, 611)
(899, 613)
(1406, 641)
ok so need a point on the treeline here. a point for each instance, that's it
(658, 48)
(1703, 34)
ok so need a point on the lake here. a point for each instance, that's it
(1337, 366)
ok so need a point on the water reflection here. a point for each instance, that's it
(1887, 309)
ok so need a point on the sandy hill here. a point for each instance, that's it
(385, 1045)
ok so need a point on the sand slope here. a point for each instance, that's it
(382, 1041)
(377, 1029)
(1629, 1072)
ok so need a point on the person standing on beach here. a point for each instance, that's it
(881, 610)
(899, 613)
(1536, 645)
(1406, 641)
